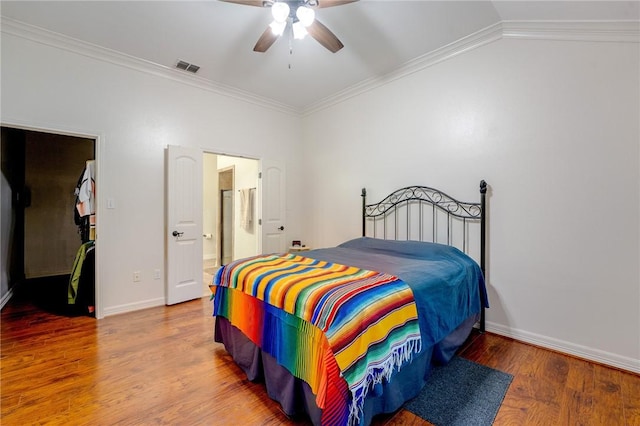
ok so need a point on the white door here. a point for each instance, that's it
(273, 207)
(184, 224)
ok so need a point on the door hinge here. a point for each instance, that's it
(259, 221)
(260, 175)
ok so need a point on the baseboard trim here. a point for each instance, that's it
(131, 307)
(7, 296)
(579, 351)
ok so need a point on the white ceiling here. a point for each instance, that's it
(379, 36)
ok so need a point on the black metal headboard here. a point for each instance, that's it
(403, 213)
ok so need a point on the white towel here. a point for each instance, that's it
(246, 208)
(86, 193)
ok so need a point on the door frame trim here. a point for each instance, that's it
(219, 254)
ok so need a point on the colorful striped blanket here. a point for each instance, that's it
(352, 327)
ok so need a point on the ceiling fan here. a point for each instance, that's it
(299, 16)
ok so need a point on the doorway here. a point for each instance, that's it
(40, 234)
(230, 229)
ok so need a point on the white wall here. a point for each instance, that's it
(553, 126)
(136, 114)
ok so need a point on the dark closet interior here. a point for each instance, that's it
(42, 232)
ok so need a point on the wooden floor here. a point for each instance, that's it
(161, 366)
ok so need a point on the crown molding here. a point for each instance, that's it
(586, 31)
(598, 31)
(57, 40)
(470, 42)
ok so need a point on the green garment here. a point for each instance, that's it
(76, 271)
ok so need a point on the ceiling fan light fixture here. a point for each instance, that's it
(299, 31)
(297, 19)
(280, 11)
(306, 15)
(277, 28)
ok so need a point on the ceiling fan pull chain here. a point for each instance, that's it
(290, 47)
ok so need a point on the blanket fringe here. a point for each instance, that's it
(399, 356)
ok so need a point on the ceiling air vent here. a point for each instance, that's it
(187, 66)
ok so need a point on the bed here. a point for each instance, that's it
(345, 333)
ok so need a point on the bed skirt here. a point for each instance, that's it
(295, 396)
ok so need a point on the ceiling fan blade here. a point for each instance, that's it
(324, 36)
(267, 3)
(331, 3)
(265, 41)
(258, 3)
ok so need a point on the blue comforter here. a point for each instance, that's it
(447, 285)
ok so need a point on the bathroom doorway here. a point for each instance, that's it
(230, 224)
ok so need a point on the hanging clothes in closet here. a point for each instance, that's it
(81, 292)
(81, 289)
(85, 208)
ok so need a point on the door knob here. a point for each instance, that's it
(281, 228)
(177, 234)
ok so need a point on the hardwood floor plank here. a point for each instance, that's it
(630, 384)
(577, 399)
(161, 366)
(406, 418)
(608, 408)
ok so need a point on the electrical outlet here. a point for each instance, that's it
(156, 274)
(136, 276)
